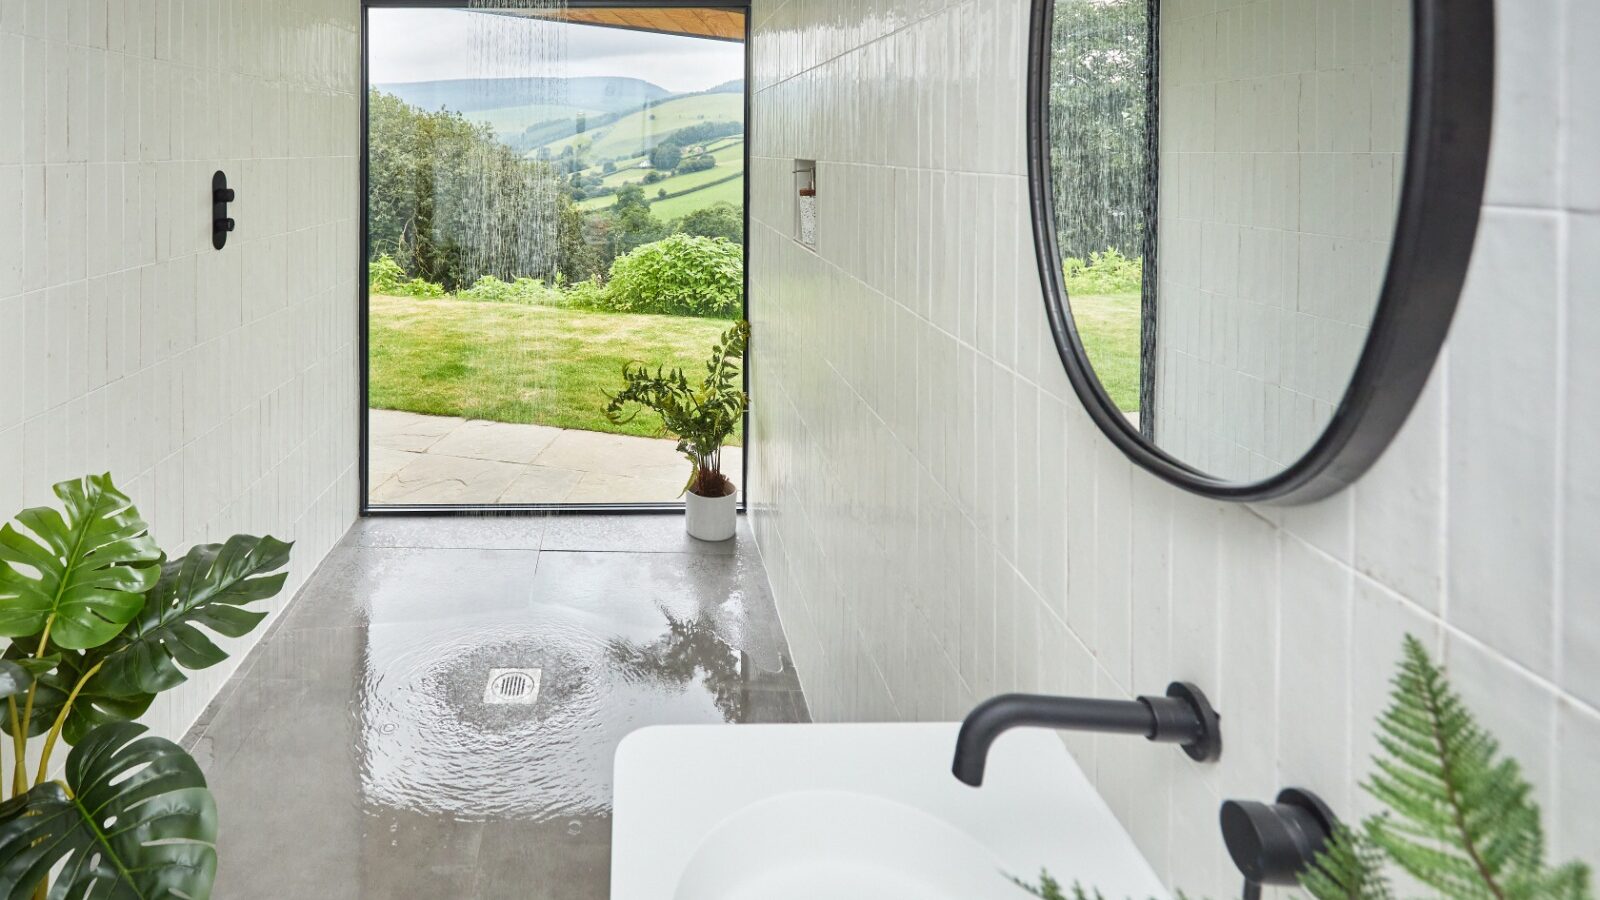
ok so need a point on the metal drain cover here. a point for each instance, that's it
(512, 687)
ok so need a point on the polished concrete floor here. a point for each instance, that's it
(355, 754)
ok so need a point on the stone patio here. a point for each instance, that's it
(419, 459)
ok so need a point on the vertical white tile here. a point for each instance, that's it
(1580, 576)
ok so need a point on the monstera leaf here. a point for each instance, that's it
(134, 821)
(19, 670)
(83, 579)
(94, 705)
(209, 587)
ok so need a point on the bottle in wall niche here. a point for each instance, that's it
(808, 216)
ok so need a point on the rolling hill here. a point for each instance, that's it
(470, 95)
(635, 133)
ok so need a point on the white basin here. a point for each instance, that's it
(806, 812)
(842, 846)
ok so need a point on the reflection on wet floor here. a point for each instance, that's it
(355, 756)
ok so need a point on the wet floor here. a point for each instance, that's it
(359, 755)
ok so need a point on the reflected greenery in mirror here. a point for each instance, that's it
(1102, 179)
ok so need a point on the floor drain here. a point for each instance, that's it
(519, 687)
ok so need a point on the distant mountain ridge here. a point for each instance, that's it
(467, 95)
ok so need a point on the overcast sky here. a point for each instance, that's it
(438, 44)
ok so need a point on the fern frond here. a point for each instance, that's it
(1464, 820)
(1350, 867)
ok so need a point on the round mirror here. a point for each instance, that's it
(1253, 222)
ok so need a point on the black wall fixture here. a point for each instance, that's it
(221, 196)
(1183, 717)
(1274, 843)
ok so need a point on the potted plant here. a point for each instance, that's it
(702, 417)
(100, 621)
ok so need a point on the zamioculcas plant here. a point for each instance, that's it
(702, 417)
(100, 621)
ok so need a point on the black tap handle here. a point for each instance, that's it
(224, 195)
(224, 224)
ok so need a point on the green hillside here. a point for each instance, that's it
(510, 121)
(699, 189)
(634, 134)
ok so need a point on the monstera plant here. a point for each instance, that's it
(100, 622)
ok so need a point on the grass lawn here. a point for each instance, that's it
(1109, 326)
(523, 364)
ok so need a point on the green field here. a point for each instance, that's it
(633, 135)
(700, 189)
(534, 365)
(677, 207)
(1109, 326)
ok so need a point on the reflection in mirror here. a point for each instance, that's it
(1225, 187)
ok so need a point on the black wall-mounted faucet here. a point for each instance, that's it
(1183, 717)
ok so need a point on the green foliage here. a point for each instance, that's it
(528, 291)
(438, 183)
(100, 623)
(1463, 819)
(1349, 868)
(385, 276)
(1099, 125)
(680, 275)
(89, 569)
(722, 220)
(702, 417)
(700, 162)
(666, 156)
(1106, 272)
(163, 842)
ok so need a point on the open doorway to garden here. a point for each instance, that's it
(555, 190)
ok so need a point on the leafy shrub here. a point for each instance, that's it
(1105, 273)
(385, 276)
(681, 275)
(586, 294)
(724, 220)
(698, 163)
(529, 291)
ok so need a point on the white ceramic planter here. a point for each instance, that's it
(712, 518)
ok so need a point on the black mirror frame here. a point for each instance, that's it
(1447, 160)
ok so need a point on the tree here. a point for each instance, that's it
(451, 203)
(722, 220)
(1099, 128)
(700, 162)
(666, 156)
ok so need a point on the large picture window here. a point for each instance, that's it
(554, 190)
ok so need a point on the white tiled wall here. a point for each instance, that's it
(1283, 126)
(941, 521)
(219, 388)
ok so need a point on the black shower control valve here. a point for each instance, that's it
(221, 223)
(1274, 843)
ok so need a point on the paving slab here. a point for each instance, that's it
(418, 459)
